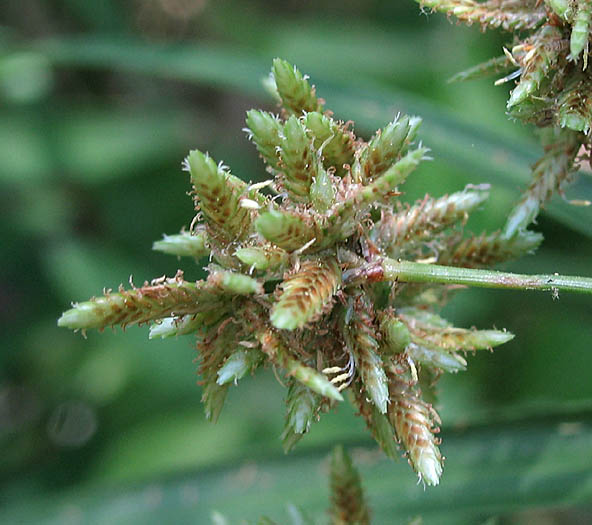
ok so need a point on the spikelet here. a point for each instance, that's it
(322, 191)
(549, 173)
(234, 283)
(436, 358)
(395, 334)
(494, 66)
(385, 148)
(510, 15)
(381, 189)
(404, 231)
(238, 365)
(265, 130)
(296, 93)
(162, 298)
(342, 216)
(275, 349)
(413, 421)
(536, 64)
(301, 410)
(362, 340)
(489, 249)
(298, 160)
(267, 257)
(458, 338)
(377, 423)
(580, 32)
(348, 504)
(306, 293)
(184, 244)
(174, 326)
(336, 142)
(288, 231)
(562, 8)
(218, 195)
(575, 105)
(215, 343)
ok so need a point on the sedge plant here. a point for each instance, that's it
(321, 273)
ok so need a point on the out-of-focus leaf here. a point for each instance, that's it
(493, 468)
(473, 148)
(88, 144)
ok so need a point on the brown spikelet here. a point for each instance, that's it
(487, 250)
(306, 293)
(377, 423)
(363, 338)
(413, 421)
(161, 298)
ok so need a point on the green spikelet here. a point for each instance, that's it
(494, 66)
(383, 186)
(262, 257)
(218, 194)
(238, 365)
(301, 410)
(362, 340)
(549, 173)
(265, 130)
(538, 62)
(396, 336)
(435, 357)
(562, 8)
(343, 215)
(306, 293)
(487, 250)
(405, 230)
(580, 32)
(184, 244)
(322, 192)
(510, 15)
(425, 317)
(298, 160)
(174, 326)
(459, 338)
(413, 421)
(377, 423)
(575, 105)
(348, 504)
(289, 231)
(336, 141)
(235, 283)
(162, 298)
(296, 93)
(385, 148)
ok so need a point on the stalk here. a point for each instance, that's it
(413, 272)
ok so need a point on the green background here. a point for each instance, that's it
(99, 103)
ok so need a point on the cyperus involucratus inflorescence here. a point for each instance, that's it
(322, 274)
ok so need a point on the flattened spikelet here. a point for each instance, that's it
(306, 293)
(414, 423)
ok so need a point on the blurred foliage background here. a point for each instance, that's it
(100, 101)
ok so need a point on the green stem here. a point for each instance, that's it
(413, 272)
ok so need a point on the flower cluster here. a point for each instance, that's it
(549, 57)
(323, 274)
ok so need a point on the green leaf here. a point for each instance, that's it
(493, 467)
